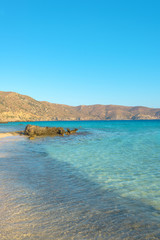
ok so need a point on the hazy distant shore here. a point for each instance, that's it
(17, 108)
(101, 120)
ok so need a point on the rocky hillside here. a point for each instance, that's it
(17, 107)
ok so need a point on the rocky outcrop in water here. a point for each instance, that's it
(35, 131)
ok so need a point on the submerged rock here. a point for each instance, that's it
(36, 131)
(68, 132)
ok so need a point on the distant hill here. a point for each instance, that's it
(17, 107)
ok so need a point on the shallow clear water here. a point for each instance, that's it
(102, 183)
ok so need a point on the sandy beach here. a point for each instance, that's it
(9, 134)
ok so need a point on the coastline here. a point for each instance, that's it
(33, 131)
(8, 134)
(89, 120)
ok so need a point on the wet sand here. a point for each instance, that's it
(3, 135)
(9, 134)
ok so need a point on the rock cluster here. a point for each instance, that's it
(34, 131)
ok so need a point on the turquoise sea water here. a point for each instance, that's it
(102, 183)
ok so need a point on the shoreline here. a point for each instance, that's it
(8, 134)
(91, 120)
(33, 131)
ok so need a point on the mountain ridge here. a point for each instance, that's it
(18, 107)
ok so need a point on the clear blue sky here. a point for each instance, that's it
(81, 51)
